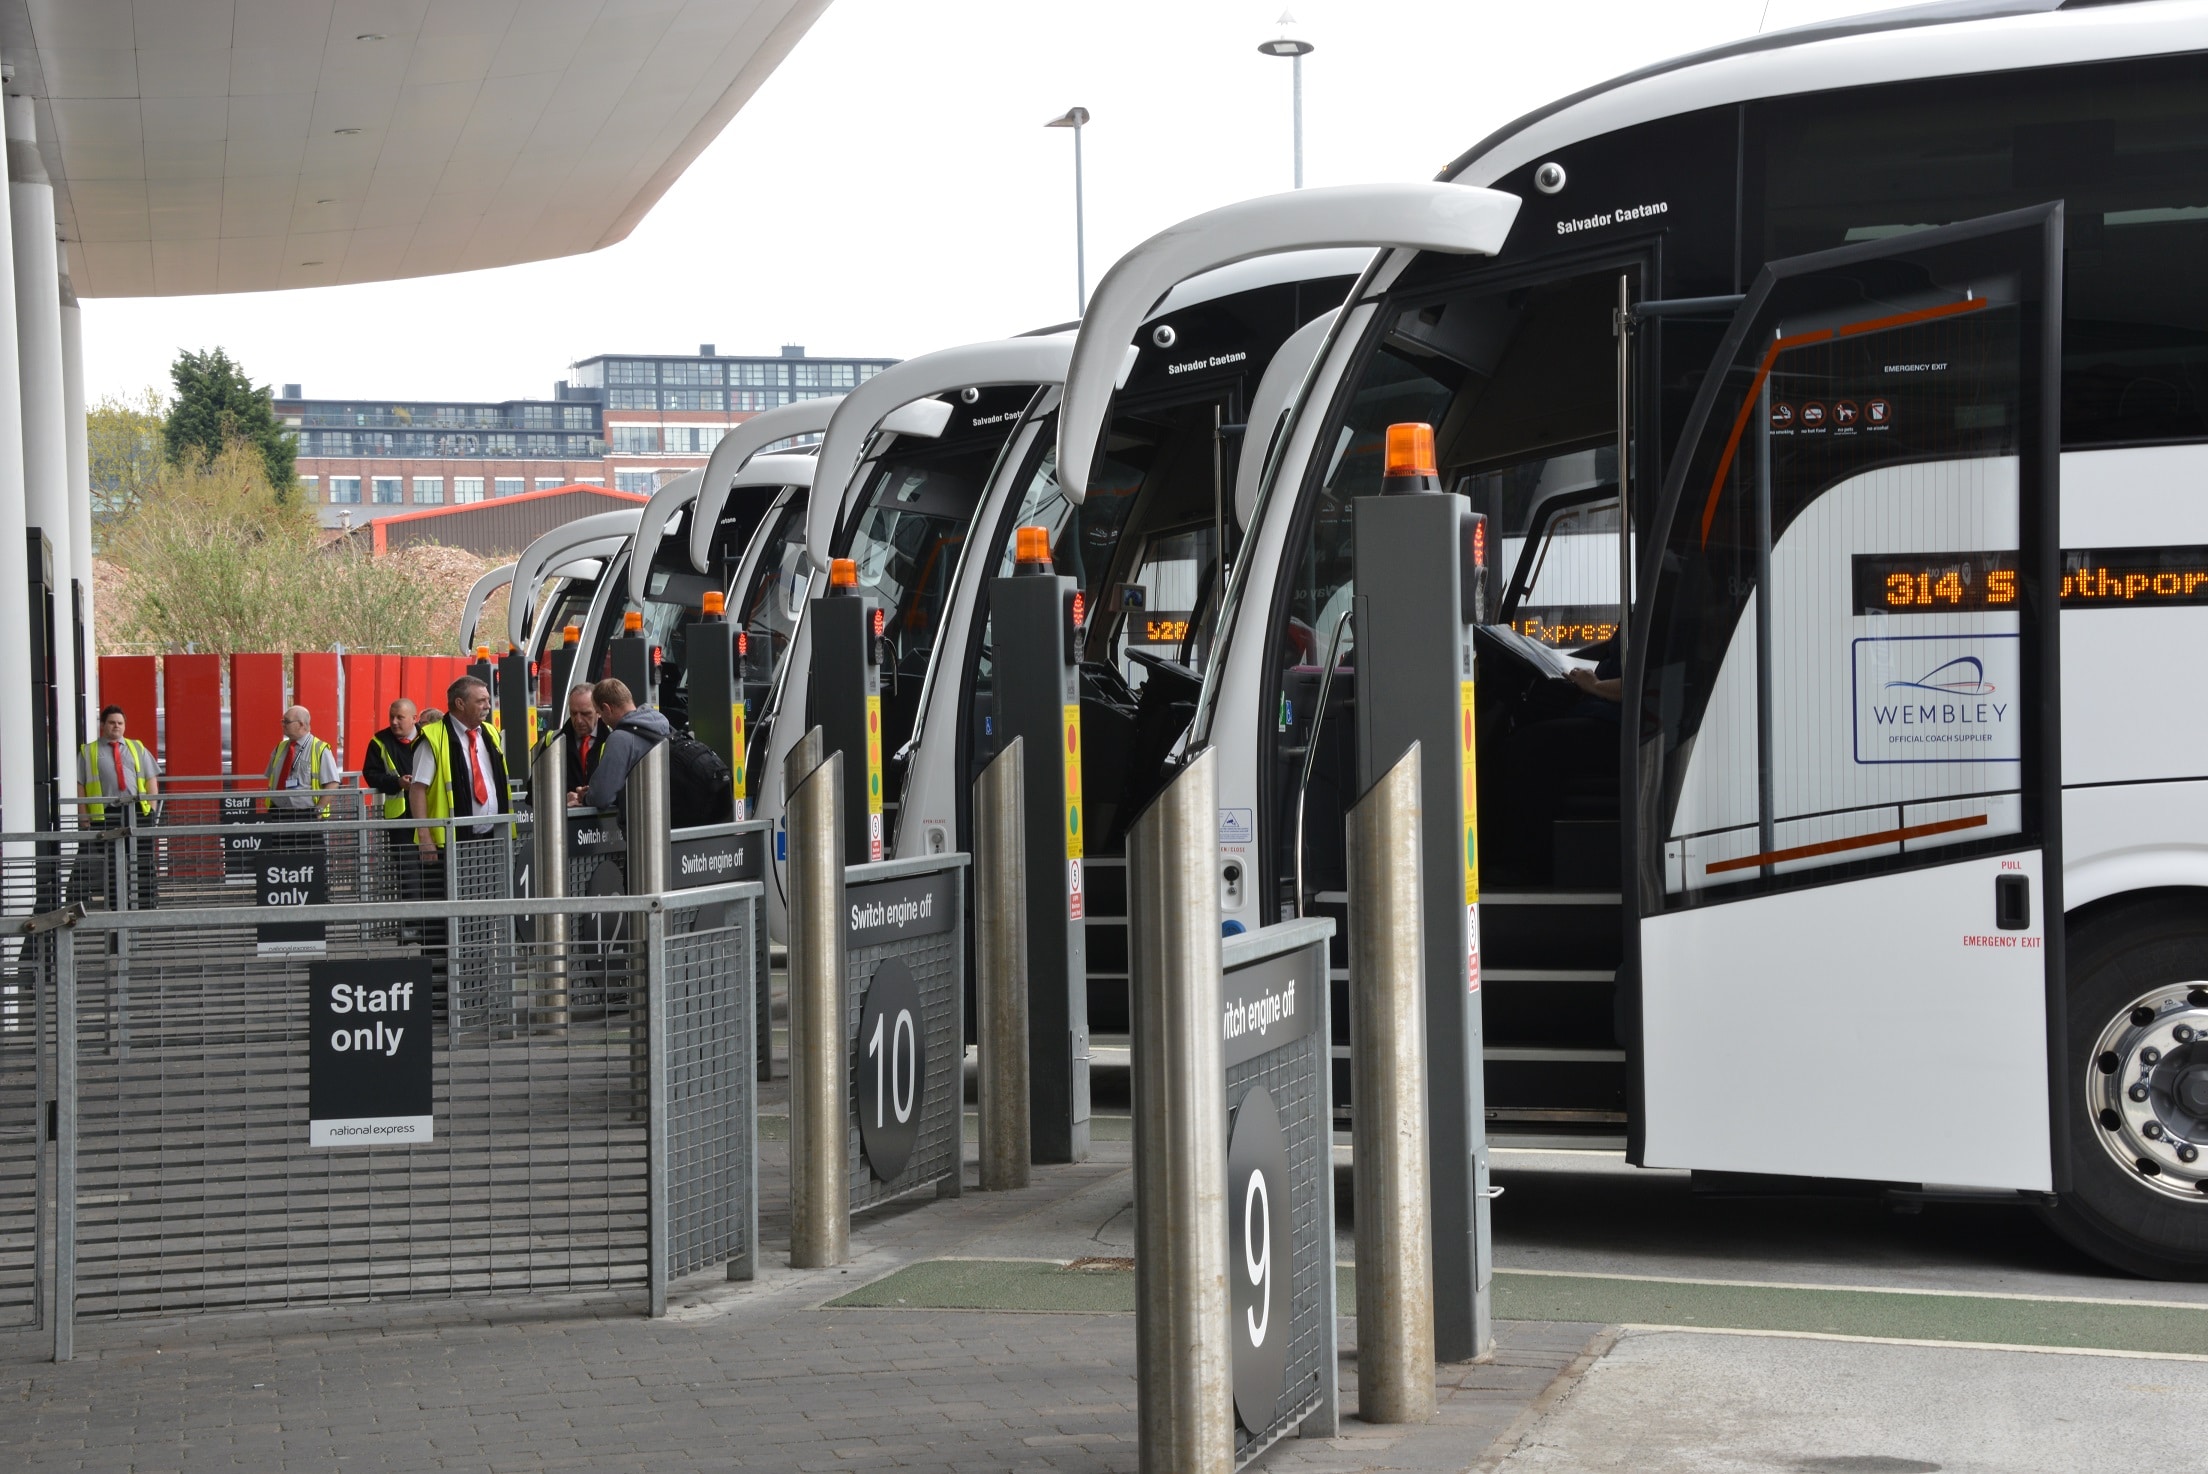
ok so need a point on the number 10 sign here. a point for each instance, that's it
(891, 1069)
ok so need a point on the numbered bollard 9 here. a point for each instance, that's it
(820, 1106)
(1387, 1033)
(1000, 970)
(1184, 1398)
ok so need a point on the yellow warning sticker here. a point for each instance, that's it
(1073, 780)
(874, 777)
(736, 753)
(1467, 738)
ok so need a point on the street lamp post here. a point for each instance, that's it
(1295, 51)
(1074, 118)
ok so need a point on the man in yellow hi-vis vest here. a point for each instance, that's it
(118, 764)
(459, 770)
(115, 764)
(299, 767)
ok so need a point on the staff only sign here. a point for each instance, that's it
(291, 875)
(368, 1075)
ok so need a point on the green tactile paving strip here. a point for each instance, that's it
(1024, 1285)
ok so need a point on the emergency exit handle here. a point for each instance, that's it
(2012, 902)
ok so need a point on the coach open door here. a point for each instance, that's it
(1842, 685)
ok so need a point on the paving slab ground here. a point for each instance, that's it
(753, 1376)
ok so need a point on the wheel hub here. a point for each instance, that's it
(2147, 1087)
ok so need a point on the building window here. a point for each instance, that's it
(386, 491)
(546, 446)
(313, 484)
(869, 370)
(690, 399)
(590, 481)
(630, 371)
(758, 399)
(759, 374)
(579, 448)
(689, 373)
(635, 440)
(507, 485)
(337, 442)
(644, 481)
(501, 445)
(345, 490)
(429, 491)
(467, 488)
(546, 483)
(539, 416)
(588, 375)
(577, 417)
(632, 399)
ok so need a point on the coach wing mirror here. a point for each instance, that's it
(1453, 218)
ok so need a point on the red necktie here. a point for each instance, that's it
(477, 757)
(283, 769)
(122, 778)
(582, 756)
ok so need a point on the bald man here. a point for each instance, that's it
(301, 764)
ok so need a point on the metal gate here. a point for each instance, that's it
(569, 1154)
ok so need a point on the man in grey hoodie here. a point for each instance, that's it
(631, 730)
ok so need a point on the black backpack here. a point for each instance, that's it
(701, 789)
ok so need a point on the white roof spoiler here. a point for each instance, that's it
(478, 593)
(867, 408)
(581, 567)
(1424, 217)
(1269, 406)
(799, 417)
(569, 540)
(651, 525)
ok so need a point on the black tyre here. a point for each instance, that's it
(2137, 1067)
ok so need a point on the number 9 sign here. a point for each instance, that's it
(890, 1065)
(1259, 1274)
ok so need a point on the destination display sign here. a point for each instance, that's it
(2092, 578)
(368, 1052)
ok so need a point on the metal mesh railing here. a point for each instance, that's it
(24, 1088)
(938, 965)
(196, 1187)
(710, 1098)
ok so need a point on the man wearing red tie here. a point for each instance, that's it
(459, 771)
(299, 767)
(585, 738)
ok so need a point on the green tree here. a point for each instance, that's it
(124, 441)
(218, 561)
(217, 404)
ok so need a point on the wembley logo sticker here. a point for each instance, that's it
(1937, 699)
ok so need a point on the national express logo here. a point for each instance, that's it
(1956, 706)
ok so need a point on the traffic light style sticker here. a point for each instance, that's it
(1072, 712)
(736, 753)
(874, 777)
(1467, 741)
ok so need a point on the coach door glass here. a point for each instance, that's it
(1841, 721)
(1519, 382)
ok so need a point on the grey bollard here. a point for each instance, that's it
(1000, 970)
(548, 876)
(1184, 1388)
(1387, 1032)
(820, 1089)
(648, 823)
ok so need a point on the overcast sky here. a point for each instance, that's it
(891, 189)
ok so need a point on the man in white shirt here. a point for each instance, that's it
(459, 769)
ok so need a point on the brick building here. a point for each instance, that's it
(624, 421)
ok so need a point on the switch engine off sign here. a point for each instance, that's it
(368, 1057)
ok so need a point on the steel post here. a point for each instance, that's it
(548, 874)
(646, 823)
(1184, 1389)
(656, 1164)
(1387, 1033)
(1000, 969)
(63, 942)
(820, 1187)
